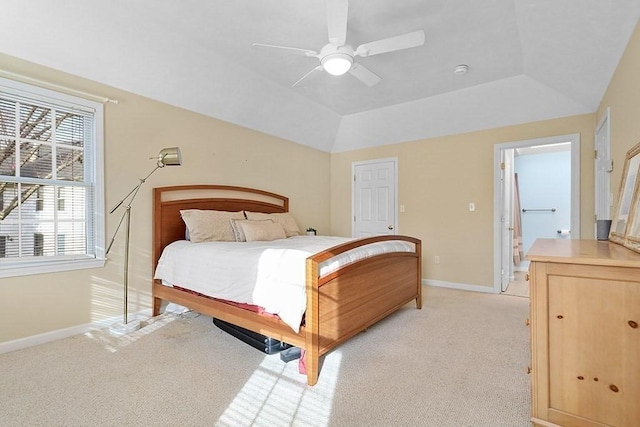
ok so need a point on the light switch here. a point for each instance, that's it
(401, 208)
(472, 207)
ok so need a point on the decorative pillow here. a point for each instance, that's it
(238, 232)
(285, 219)
(209, 225)
(262, 231)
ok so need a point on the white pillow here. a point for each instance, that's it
(238, 232)
(210, 225)
(262, 231)
(285, 219)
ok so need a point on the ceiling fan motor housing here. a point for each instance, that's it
(336, 57)
(336, 60)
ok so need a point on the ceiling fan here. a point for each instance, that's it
(336, 57)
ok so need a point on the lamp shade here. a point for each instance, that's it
(170, 157)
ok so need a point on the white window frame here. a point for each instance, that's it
(40, 266)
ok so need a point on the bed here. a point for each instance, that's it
(339, 305)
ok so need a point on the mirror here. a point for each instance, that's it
(633, 229)
(627, 209)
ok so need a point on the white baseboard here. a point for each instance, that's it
(59, 334)
(461, 286)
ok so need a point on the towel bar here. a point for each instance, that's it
(539, 210)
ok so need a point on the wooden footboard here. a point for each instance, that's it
(339, 305)
(358, 295)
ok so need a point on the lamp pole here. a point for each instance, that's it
(127, 213)
(126, 326)
(168, 156)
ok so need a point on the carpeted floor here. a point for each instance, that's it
(460, 361)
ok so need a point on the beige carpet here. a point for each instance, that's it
(460, 361)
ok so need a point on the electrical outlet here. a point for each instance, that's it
(472, 207)
(436, 259)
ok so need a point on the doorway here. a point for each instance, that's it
(375, 197)
(547, 214)
(603, 168)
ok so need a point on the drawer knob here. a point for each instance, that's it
(614, 388)
(527, 322)
(633, 324)
(560, 316)
(528, 370)
(580, 377)
(526, 277)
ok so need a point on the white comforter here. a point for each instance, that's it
(267, 274)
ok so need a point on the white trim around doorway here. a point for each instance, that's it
(497, 214)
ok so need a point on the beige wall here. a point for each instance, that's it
(136, 129)
(623, 97)
(438, 177)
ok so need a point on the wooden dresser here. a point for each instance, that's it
(585, 333)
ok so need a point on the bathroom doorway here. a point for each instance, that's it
(536, 195)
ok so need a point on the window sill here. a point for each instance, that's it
(50, 267)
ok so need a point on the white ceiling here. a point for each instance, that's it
(529, 60)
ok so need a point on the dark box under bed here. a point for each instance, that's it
(261, 342)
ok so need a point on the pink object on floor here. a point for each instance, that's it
(302, 362)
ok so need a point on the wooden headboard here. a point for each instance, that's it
(168, 201)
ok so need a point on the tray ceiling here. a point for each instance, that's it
(528, 60)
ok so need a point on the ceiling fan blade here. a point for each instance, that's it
(364, 75)
(337, 12)
(318, 68)
(391, 44)
(295, 50)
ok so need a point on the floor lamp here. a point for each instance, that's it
(167, 157)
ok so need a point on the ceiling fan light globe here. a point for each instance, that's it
(337, 64)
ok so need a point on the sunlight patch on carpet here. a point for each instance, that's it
(277, 395)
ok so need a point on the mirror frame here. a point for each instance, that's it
(633, 228)
(627, 210)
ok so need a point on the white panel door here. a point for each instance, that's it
(374, 198)
(507, 198)
(603, 168)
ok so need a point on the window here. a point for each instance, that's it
(39, 199)
(62, 240)
(38, 244)
(51, 181)
(60, 198)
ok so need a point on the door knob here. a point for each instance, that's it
(390, 227)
